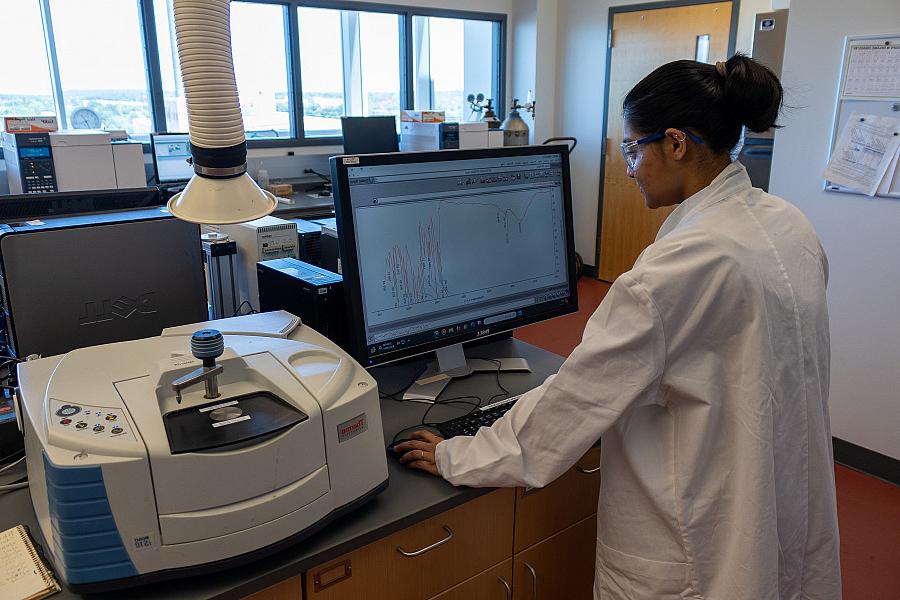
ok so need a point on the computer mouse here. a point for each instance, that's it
(390, 447)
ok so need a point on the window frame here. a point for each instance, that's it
(146, 15)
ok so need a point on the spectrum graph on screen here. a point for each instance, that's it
(450, 252)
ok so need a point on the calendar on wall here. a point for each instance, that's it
(865, 139)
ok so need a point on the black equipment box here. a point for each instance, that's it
(309, 243)
(313, 294)
(71, 282)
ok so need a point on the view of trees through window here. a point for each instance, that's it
(349, 61)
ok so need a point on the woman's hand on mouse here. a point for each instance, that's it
(418, 451)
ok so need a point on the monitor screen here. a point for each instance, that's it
(366, 135)
(444, 247)
(171, 152)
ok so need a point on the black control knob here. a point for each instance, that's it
(207, 345)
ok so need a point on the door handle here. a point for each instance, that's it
(587, 471)
(422, 551)
(506, 585)
(533, 580)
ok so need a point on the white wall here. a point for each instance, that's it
(861, 235)
(523, 48)
(533, 49)
(581, 95)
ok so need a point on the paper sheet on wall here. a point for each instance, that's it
(873, 71)
(889, 183)
(863, 153)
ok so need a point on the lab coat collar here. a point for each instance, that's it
(732, 180)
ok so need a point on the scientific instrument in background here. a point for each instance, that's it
(131, 486)
(426, 130)
(416, 136)
(442, 248)
(71, 160)
(24, 207)
(220, 257)
(309, 241)
(366, 135)
(263, 239)
(172, 159)
(330, 257)
(70, 282)
(314, 294)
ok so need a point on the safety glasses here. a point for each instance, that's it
(630, 149)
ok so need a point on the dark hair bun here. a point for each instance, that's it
(753, 93)
(713, 101)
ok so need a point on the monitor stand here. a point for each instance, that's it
(452, 362)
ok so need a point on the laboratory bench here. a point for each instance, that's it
(304, 205)
(421, 538)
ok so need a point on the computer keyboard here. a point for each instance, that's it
(483, 417)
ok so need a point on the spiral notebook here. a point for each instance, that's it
(23, 573)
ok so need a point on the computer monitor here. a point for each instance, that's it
(171, 152)
(367, 135)
(441, 248)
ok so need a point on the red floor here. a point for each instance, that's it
(868, 508)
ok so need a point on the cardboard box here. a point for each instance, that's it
(473, 126)
(422, 116)
(29, 124)
(281, 189)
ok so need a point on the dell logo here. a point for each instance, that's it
(122, 307)
(482, 332)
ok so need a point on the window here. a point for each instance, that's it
(453, 58)
(25, 88)
(260, 68)
(88, 63)
(99, 49)
(350, 66)
(174, 103)
(259, 49)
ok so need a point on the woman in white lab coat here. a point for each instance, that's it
(705, 370)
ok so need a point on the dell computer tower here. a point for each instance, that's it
(71, 282)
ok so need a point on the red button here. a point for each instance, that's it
(65, 421)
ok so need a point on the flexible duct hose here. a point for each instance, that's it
(203, 34)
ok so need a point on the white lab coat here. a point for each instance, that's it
(705, 369)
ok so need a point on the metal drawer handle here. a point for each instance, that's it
(587, 471)
(533, 580)
(431, 547)
(506, 585)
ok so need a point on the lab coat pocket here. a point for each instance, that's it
(623, 576)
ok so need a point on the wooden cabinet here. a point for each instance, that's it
(562, 566)
(424, 559)
(542, 512)
(492, 584)
(540, 540)
(289, 589)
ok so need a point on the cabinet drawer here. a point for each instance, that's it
(561, 566)
(493, 584)
(463, 542)
(542, 512)
(289, 589)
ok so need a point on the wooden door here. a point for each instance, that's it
(640, 42)
(562, 566)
